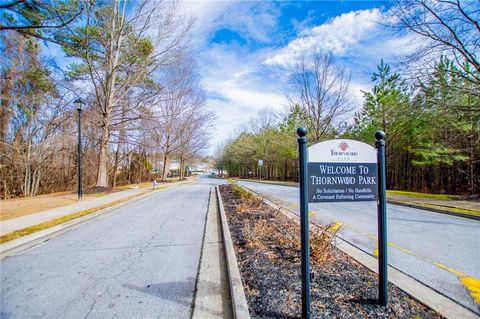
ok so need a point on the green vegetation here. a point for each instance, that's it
(420, 195)
(453, 209)
(432, 126)
(242, 192)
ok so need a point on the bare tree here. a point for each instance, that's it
(445, 27)
(194, 137)
(321, 88)
(32, 109)
(180, 94)
(120, 52)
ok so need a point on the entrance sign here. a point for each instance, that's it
(342, 171)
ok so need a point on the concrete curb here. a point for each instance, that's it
(441, 211)
(20, 244)
(212, 298)
(239, 301)
(424, 294)
(389, 201)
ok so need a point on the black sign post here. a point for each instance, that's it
(305, 247)
(382, 220)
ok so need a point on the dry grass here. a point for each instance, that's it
(12, 208)
(322, 237)
(322, 243)
(17, 207)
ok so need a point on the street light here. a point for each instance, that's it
(78, 104)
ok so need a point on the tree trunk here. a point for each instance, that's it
(113, 56)
(36, 183)
(182, 168)
(165, 159)
(115, 165)
(121, 140)
(129, 178)
(102, 176)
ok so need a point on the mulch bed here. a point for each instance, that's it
(268, 253)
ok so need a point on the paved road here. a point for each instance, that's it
(140, 261)
(438, 250)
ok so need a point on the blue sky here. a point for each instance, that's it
(244, 49)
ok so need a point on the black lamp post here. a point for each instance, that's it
(78, 104)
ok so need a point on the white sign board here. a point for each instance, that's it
(341, 171)
(342, 151)
(260, 162)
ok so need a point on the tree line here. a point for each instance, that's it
(131, 63)
(429, 107)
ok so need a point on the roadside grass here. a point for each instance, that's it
(268, 181)
(443, 197)
(453, 209)
(54, 222)
(130, 186)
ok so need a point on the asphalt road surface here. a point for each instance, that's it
(436, 249)
(140, 261)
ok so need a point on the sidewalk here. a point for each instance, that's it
(13, 224)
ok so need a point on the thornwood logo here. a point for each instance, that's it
(343, 147)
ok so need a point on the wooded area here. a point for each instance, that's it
(429, 107)
(130, 62)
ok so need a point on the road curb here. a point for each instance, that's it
(212, 294)
(20, 244)
(441, 211)
(389, 201)
(424, 294)
(239, 301)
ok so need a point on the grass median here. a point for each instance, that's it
(443, 197)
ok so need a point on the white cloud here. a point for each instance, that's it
(237, 88)
(206, 14)
(253, 20)
(256, 21)
(356, 33)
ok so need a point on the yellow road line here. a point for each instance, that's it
(335, 227)
(375, 251)
(472, 284)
